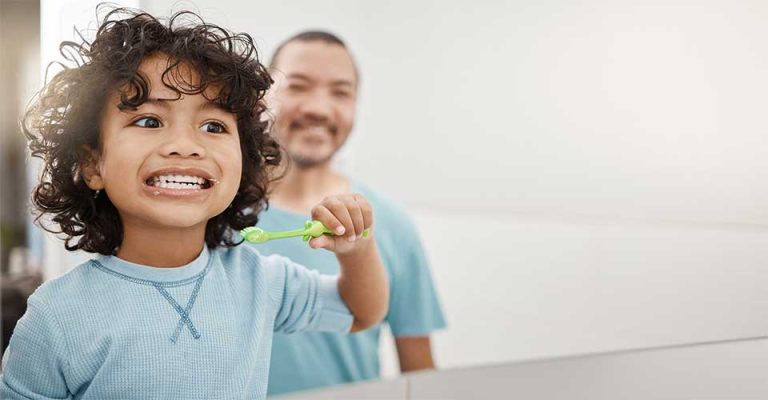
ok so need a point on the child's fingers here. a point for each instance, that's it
(341, 210)
(322, 242)
(366, 210)
(334, 215)
(356, 213)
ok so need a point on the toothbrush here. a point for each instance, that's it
(312, 229)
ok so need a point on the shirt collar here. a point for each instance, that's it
(155, 274)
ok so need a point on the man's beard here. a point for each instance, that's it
(311, 161)
(303, 162)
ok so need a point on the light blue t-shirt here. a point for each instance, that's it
(110, 329)
(314, 359)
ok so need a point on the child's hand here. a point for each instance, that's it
(348, 215)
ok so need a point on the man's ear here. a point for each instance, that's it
(89, 168)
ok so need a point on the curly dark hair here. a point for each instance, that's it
(64, 118)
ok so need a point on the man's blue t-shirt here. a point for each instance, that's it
(314, 359)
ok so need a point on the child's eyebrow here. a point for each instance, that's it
(212, 105)
(163, 103)
(158, 102)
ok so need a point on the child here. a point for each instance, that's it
(155, 152)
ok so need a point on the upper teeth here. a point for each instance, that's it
(178, 181)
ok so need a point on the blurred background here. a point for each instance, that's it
(587, 176)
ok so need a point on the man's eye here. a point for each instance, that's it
(341, 94)
(148, 122)
(297, 88)
(213, 127)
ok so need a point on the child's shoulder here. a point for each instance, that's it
(67, 287)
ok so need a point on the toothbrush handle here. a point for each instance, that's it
(287, 234)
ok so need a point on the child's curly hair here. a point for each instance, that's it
(64, 118)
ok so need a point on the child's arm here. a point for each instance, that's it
(35, 361)
(362, 280)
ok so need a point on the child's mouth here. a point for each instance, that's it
(180, 182)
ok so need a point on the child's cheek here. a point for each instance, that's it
(236, 174)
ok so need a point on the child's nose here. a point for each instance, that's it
(183, 142)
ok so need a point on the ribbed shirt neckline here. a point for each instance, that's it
(155, 274)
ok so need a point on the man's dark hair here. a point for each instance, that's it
(64, 118)
(311, 36)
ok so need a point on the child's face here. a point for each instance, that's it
(170, 163)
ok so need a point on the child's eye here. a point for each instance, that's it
(213, 127)
(148, 122)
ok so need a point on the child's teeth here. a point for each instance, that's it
(178, 182)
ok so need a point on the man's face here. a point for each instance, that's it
(314, 100)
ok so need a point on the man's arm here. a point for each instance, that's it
(415, 353)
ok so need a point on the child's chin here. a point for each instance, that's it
(182, 220)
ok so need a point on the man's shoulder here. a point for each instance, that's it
(385, 208)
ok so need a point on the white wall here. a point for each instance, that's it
(530, 287)
(587, 175)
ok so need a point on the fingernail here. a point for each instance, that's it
(340, 230)
(351, 238)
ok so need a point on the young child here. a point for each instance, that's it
(155, 154)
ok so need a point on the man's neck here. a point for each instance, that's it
(302, 188)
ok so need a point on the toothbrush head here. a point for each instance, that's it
(254, 235)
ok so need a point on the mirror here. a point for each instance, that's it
(585, 177)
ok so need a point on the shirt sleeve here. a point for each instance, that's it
(35, 360)
(311, 302)
(414, 308)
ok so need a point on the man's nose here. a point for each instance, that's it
(317, 106)
(184, 141)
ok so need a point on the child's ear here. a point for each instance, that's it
(89, 169)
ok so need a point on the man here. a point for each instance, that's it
(314, 103)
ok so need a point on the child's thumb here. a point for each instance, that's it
(322, 242)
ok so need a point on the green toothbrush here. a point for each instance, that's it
(312, 229)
